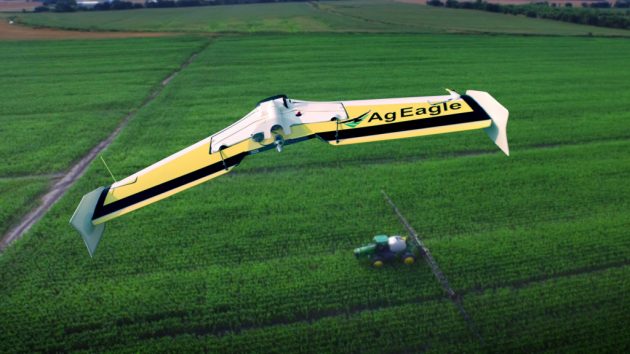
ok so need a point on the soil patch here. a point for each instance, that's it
(18, 32)
(17, 5)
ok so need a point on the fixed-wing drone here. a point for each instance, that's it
(279, 121)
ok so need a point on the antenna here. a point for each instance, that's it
(107, 167)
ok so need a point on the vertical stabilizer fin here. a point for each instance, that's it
(499, 115)
(82, 220)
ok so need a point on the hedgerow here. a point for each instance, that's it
(593, 16)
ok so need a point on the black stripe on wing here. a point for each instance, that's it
(103, 210)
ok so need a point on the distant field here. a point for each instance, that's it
(414, 18)
(288, 17)
(333, 16)
(17, 5)
(260, 260)
(61, 98)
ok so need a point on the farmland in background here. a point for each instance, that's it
(59, 99)
(261, 260)
(333, 16)
(17, 32)
(17, 5)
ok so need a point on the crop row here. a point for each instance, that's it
(547, 185)
(586, 313)
(433, 326)
(505, 257)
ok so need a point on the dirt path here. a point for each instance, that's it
(19, 32)
(60, 187)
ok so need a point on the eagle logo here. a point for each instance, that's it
(352, 123)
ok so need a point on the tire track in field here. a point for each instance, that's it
(523, 283)
(315, 5)
(222, 330)
(68, 178)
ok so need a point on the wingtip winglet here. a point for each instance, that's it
(499, 115)
(82, 220)
(451, 92)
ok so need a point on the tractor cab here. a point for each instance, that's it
(381, 243)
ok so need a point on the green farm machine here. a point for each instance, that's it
(387, 249)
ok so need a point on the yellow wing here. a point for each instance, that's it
(279, 121)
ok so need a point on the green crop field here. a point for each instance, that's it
(18, 196)
(75, 91)
(260, 260)
(60, 99)
(326, 16)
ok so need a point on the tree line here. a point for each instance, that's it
(592, 13)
